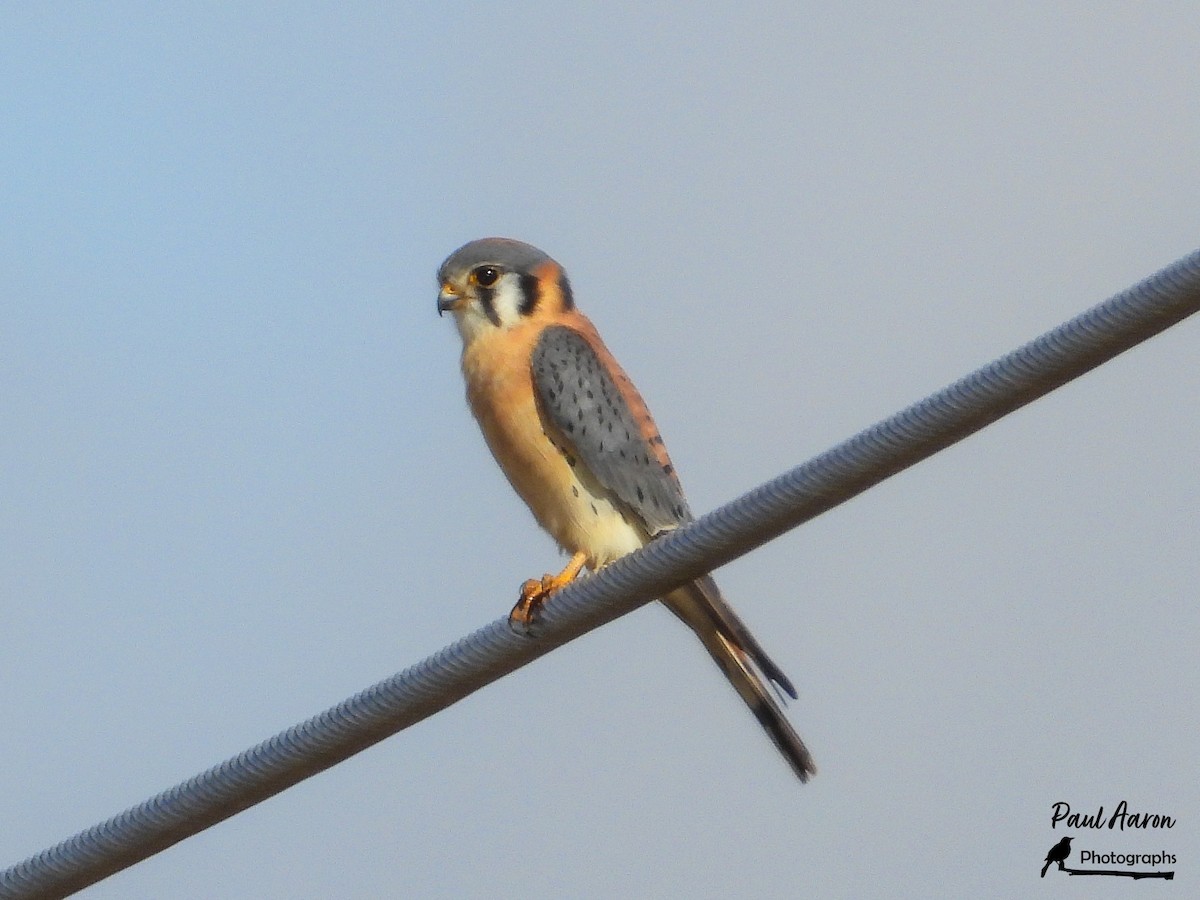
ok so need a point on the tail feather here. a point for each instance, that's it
(742, 659)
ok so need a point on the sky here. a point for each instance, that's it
(239, 482)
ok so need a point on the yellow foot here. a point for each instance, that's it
(535, 592)
(533, 596)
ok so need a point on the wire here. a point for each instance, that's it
(731, 531)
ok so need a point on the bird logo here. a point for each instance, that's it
(1058, 854)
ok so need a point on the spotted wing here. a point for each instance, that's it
(598, 413)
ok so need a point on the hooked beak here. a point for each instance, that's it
(448, 299)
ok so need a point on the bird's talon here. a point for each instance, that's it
(525, 614)
(520, 624)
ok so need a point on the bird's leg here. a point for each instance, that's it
(534, 593)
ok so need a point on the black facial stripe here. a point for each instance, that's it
(564, 287)
(487, 299)
(531, 293)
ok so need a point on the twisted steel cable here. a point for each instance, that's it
(733, 530)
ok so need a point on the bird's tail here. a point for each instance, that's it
(1045, 867)
(744, 663)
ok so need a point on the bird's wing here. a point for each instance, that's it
(598, 413)
(592, 407)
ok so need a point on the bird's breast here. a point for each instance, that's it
(563, 494)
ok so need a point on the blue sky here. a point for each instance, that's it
(240, 481)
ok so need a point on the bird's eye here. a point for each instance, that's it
(485, 276)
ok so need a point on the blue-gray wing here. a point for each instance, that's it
(603, 420)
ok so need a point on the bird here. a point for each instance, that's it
(1058, 853)
(578, 444)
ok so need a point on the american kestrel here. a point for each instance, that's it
(577, 443)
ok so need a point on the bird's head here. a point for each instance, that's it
(495, 284)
